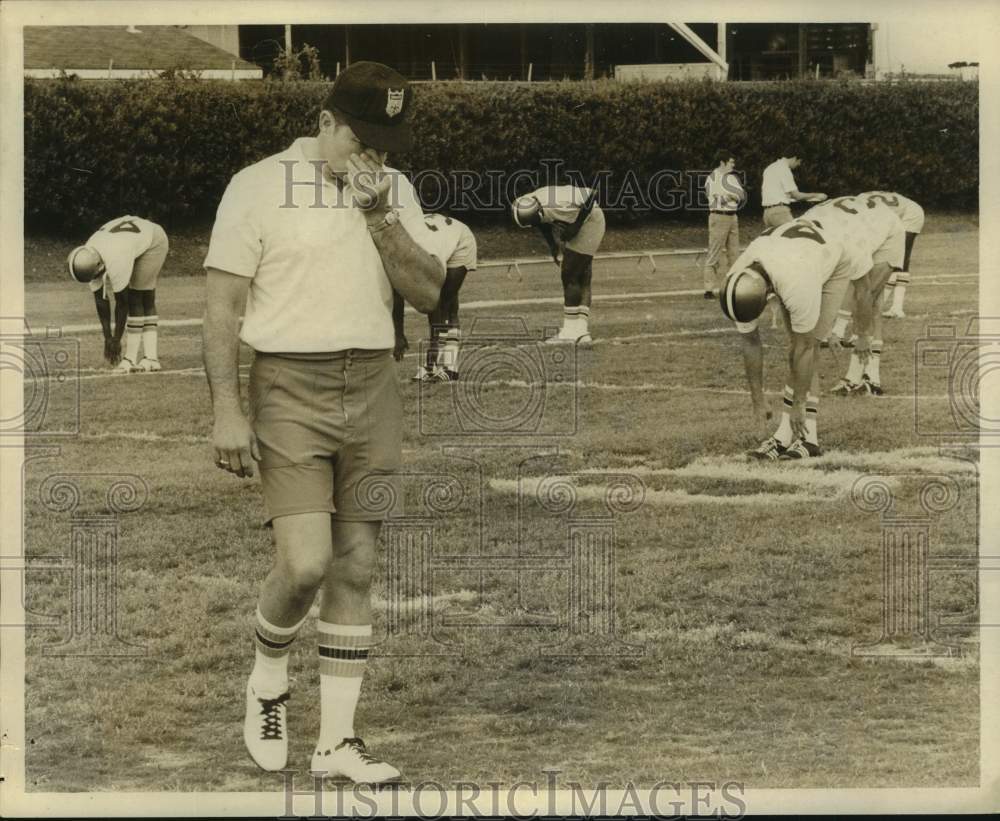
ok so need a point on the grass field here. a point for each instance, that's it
(739, 590)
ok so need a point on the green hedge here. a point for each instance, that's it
(166, 149)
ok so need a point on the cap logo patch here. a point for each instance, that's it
(394, 102)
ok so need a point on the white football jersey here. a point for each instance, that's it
(909, 212)
(453, 242)
(561, 203)
(120, 242)
(799, 259)
(868, 229)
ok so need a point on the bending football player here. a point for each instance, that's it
(452, 241)
(123, 258)
(875, 235)
(570, 217)
(912, 216)
(806, 271)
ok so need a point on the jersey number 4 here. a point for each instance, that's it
(797, 230)
(125, 225)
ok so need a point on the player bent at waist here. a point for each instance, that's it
(864, 378)
(441, 363)
(124, 257)
(806, 271)
(570, 216)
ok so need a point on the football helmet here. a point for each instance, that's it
(745, 293)
(527, 211)
(85, 264)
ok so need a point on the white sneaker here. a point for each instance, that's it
(264, 730)
(147, 365)
(125, 366)
(350, 759)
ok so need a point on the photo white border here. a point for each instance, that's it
(14, 14)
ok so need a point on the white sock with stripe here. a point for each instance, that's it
(902, 280)
(343, 654)
(855, 370)
(133, 336)
(149, 348)
(812, 415)
(784, 432)
(874, 362)
(269, 677)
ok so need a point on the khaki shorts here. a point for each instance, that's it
(147, 266)
(325, 422)
(591, 233)
(776, 215)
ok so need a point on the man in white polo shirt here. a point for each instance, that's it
(314, 240)
(725, 197)
(807, 271)
(778, 189)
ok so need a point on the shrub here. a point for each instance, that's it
(166, 148)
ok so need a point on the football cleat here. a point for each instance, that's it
(350, 759)
(768, 450)
(423, 374)
(869, 388)
(440, 374)
(800, 449)
(894, 313)
(709, 295)
(264, 730)
(147, 365)
(845, 388)
(125, 366)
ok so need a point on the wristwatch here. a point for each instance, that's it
(391, 218)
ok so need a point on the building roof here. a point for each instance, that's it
(151, 48)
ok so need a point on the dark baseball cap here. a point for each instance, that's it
(373, 100)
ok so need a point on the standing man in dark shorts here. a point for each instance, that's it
(324, 402)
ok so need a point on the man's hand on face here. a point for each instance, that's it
(368, 180)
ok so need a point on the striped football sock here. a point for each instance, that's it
(854, 370)
(874, 363)
(272, 644)
(449, 356)
(812, 414)
(149, 337)
(784, 432)
(902, 280)
(133, 336)
(343, 654)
